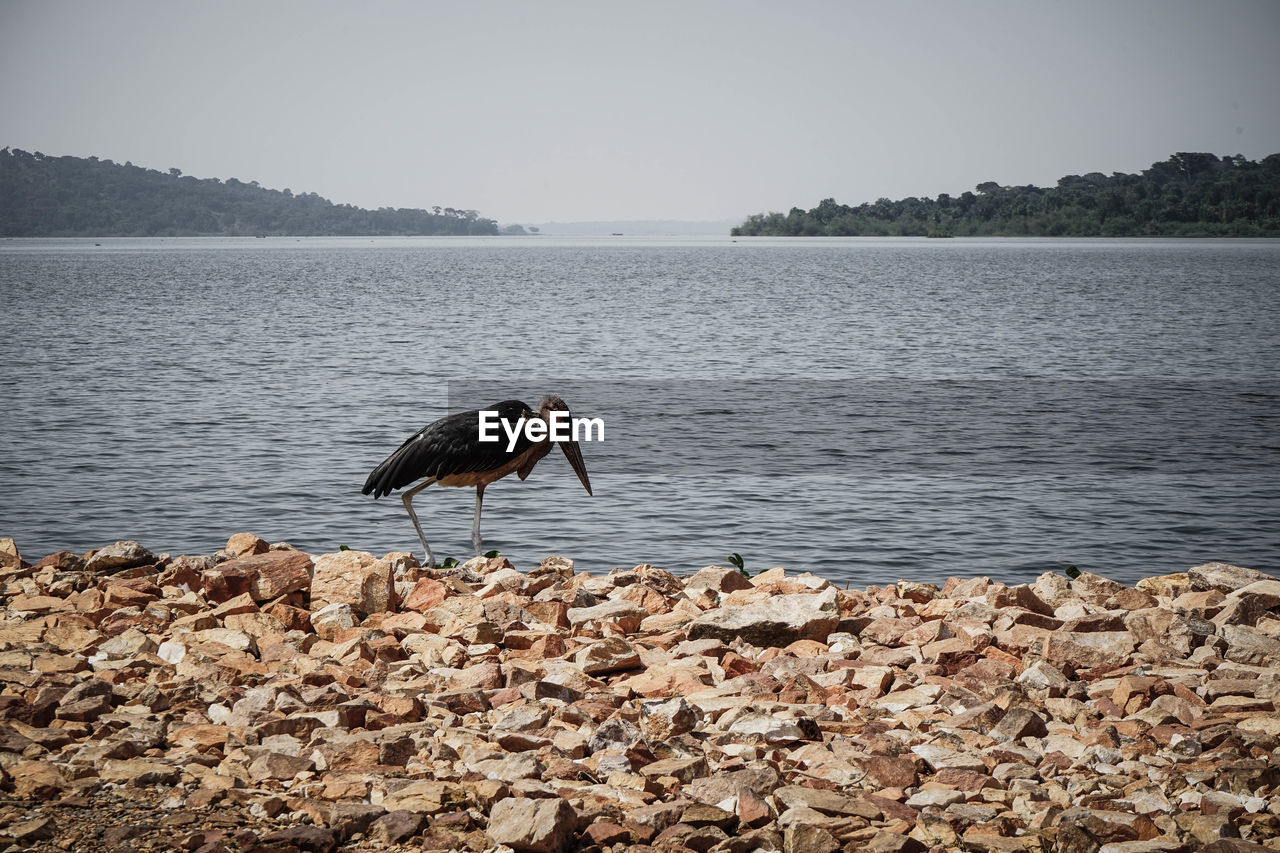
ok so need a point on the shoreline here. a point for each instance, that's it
(267, 699)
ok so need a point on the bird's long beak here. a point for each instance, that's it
(574, 454)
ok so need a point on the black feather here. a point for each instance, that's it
(450, 445)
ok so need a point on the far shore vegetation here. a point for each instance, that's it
(44, 196)
(1188, 195)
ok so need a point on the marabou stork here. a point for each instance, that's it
(449, 452)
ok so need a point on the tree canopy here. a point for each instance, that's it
(42, 196)
(1188, 195)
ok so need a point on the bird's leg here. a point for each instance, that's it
(475, 526)
(407, 497)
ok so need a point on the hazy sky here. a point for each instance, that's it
(698, 109)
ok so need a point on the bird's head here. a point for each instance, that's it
(551, 403)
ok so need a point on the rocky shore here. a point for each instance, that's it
(263, 699)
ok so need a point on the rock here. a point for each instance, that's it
(9, 556)
(1250, 646)
(36, 780)
(398, 826)
(778, 622)
(1019, 723)
(126, 645)
(246, 544)
(278, 765)
(308, 839)
(775, 730)
(683, 769)
(886, 771)
(1089, 649)
(1224, 577)
(663, 720)
(30, 831)
(425, 594)
(885, 841)
(355, 578)
(1235, 845)
(332, 618)
(1247, 604)
(271, 574)
(1044, 676)
(537, 826)
(139, 772)
(346, 819)
(823, 801)
(607, 833)
(126, 554)
(718, 579)
(612, 654)
(426, 797)
(804, 838)
(627, 615)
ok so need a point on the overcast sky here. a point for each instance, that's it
(565, 110)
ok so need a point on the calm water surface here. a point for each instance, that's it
(865, 409)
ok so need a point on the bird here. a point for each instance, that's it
(449, 452)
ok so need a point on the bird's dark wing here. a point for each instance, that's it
(450, 445)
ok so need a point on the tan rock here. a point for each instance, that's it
(683, 769)
(246, 544)
(612, 654)
(9, 556)
(537, 826)
(36, 780)
(38, 604)
(718, 579)
(279, 766)
(139, 772)
(426, 797)
(354, 578)
(1166, 586)
(1089, 649)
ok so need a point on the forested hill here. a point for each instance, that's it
(43, 196)
(1188, 195)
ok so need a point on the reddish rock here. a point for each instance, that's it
(606, 833)
(426, 594)
(889, 772)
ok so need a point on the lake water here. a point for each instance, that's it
(866, 409)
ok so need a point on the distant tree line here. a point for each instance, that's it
(43, 196)
(1188, 195)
